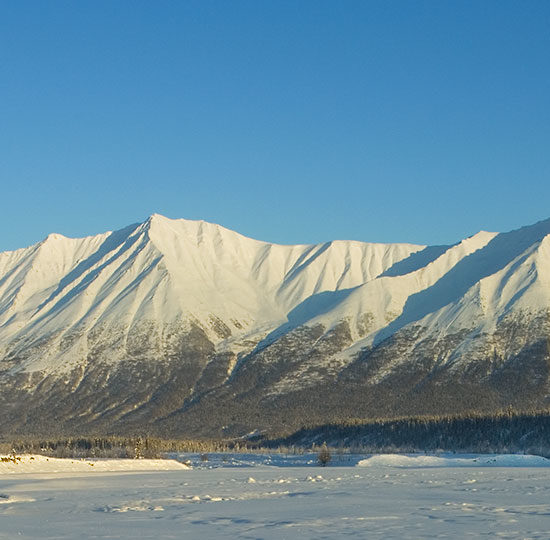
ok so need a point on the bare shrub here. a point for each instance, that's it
(324, 456)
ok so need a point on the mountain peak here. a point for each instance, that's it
(157, 218)
(54, 237)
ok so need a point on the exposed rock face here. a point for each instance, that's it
(185, 328)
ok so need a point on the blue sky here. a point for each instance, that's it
(290, 122)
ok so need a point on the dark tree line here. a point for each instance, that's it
(507, 431)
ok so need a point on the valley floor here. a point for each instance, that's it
(273, 497)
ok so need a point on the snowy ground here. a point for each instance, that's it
(29, 464)
(272, 497)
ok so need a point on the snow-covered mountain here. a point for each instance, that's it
(181, 326)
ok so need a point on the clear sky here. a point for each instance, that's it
(292, 122)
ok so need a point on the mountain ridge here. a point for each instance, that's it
(195, 315)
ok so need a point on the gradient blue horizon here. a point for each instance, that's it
(290, 122)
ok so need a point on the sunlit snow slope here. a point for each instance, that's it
(187, 326)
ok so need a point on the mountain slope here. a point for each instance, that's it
(180, 326)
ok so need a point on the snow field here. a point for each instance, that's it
(37, 464)
(452, 460)
(255, 500)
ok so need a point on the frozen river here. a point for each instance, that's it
(230, 498)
